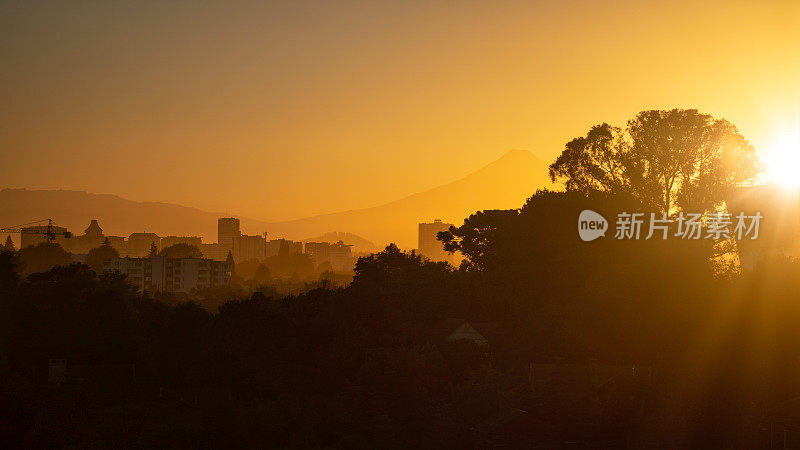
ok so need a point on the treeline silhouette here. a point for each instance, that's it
(606, 344)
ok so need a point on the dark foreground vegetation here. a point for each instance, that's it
(608, 344)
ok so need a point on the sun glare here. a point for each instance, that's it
(783, 158)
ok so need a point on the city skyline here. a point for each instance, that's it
(503, 183)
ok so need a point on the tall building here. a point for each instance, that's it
(228, 229)
(159, 273)
(431, 247)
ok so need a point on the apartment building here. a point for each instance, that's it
(171, 274)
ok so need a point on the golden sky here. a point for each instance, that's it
(279, 110)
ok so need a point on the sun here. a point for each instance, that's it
(782, 158)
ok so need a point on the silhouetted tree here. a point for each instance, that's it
(262, 274)
(153, 250)
(9, 245)
(611, 343)
(388, 266)
(477, 238)
(41, 257)
(8, 270)
(247, 269)
(667, 159)
(181, 250)
(98, 255)
(231, 262)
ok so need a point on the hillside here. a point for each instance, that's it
(117, 216)
(504, 183)
(358, 243)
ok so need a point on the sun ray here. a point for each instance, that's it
(782, 157)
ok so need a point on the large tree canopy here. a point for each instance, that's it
(40, 258)
(679, 159)
(181, 250)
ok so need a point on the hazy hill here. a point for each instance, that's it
(359, 244)
(117, 216)
(504, 183)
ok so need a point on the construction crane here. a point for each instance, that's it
(49, 232)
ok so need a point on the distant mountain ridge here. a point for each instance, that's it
(502, 184)
(358, 243)
(117, 216)
(505, 183)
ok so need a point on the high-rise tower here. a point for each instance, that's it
(227, 230)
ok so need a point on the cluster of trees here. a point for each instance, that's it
(326, 367)
(676, 159)
(284, 273)
(369, 366)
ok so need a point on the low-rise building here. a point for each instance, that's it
(217, 252)
(341, 257)
(319, 251)
(247, 247)
(276, 246)
(159, 273)
(139, 244)
(93, 237)
(338, 255)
